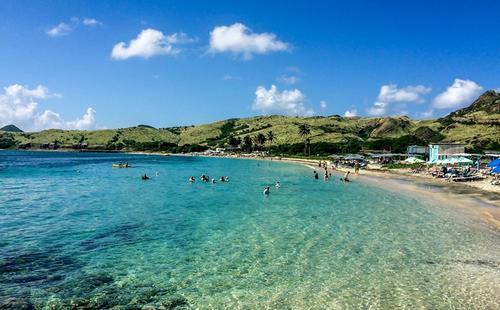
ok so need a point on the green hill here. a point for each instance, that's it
(477, 125)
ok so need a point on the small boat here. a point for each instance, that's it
(120, 166)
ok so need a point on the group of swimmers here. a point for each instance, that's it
(328, 175)
(206, 179)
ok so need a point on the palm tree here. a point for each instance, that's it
(247, 143)
(305, 132)
(234, 141)
(270, 136)
(260, 140)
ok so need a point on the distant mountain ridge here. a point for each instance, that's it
(11, 128)
(477, 126)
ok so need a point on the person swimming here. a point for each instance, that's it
(222, 179)
(205, 178)
(192, 179)
(266, 190)
(145, 177)
(213, 181)
(277, 185)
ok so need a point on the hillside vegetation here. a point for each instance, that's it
(477, 125)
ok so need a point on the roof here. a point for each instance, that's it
(386, 155)
(447, 144)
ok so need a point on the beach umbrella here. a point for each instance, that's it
(444, 161)
(496, 169)
(494, 163)
(463, 160)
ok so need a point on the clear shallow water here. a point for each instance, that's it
(75, 232)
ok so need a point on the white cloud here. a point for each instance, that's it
(60, 30)
(48, 119)
(91, 22)
(65, 28)
(323, 105)
(19, 106)
(378, 109)
(239, 39)
(459, 94)
(390, 93)
(288, 79)
(87, 121)
(288, 102)
(148, 43)
(351, 113)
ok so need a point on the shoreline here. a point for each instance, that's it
(481, 203)
(481, 200)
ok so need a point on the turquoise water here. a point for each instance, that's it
(75, 232)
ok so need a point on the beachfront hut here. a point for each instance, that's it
(356, 157)
(416, 150)
(492, 154)
(386, 158)
(445, 150)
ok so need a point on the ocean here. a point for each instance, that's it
(75, 232)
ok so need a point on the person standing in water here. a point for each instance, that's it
(316, 176)
(346, 177)
(266, 190)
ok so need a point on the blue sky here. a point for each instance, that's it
(62, 64)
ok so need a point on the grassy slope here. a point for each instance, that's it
(477, 125)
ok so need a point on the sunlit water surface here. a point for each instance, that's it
(75, 232)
